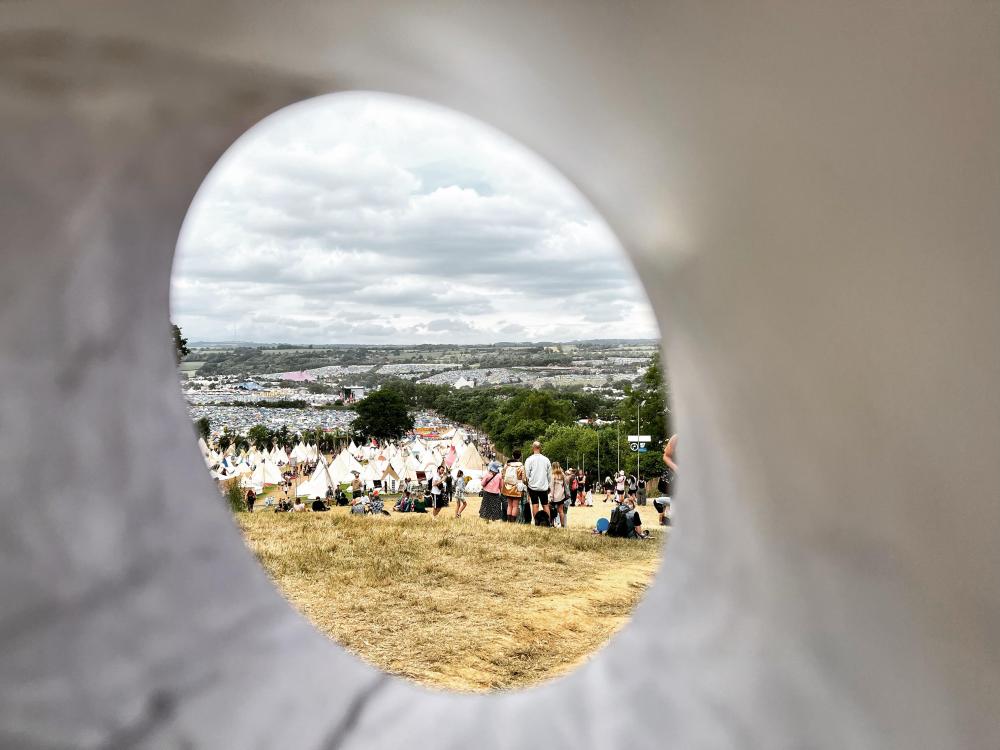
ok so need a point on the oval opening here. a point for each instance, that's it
(372, 294)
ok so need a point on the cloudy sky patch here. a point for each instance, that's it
(368, 218)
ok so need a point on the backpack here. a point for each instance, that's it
(511, 481)
(664, 484)
(619, 525)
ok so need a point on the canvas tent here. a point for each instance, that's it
(320, 481)
(471, 460)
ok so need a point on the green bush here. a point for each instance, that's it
(234, 496)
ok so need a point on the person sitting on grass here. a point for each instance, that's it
(405, 504)
(625, 521)
(319, 506)
(359, 505)
(375, 504)
(340, 497)
(459, 490)
(284, 506)
(299, 507)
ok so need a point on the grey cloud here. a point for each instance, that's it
(336, 217)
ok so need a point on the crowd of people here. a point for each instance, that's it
(533, 491)
(540, 491)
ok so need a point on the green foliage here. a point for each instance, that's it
(524, 416)
(647, 399)
(180, 344)
(234, 495)
(261, 436)
(204, 428)
(319, 388)
(383, 415)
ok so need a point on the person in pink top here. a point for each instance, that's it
(492, 508)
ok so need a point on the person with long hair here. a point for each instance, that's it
(512, 485)
(557, 502)
(666, 484)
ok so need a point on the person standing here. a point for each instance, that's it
(538, 470)
(251, 499)
(356, 490)
(609, 487)
(666, 484)
(572, 484)
(619, 486)
(437, 491)
(558, 498)
(512, 485)
(492, 508)
(460, 504)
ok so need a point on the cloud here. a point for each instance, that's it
(370, 218)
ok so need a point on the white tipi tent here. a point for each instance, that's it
(265, 473)
(319, 482)
(471, 461)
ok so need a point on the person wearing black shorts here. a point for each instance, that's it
(538, 475)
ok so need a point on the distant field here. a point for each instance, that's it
(190, 366)
(458, 604)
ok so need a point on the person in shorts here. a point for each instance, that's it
(538, 473)
(557, 500)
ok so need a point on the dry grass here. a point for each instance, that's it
(458, 604)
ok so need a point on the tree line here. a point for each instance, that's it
(512, 417)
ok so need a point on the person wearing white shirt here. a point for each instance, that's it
(538, 470)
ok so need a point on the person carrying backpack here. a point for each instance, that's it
(625, 522)
(512, 485)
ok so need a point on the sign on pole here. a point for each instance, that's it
(638, 443)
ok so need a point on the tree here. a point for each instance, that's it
(647, 400)
(180, 344)
(261, 436)
(383, 415)
(204, 428)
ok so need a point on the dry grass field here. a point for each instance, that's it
(458, 604)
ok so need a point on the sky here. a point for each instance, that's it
(375, 219)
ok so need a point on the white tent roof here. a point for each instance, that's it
(317, 485)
